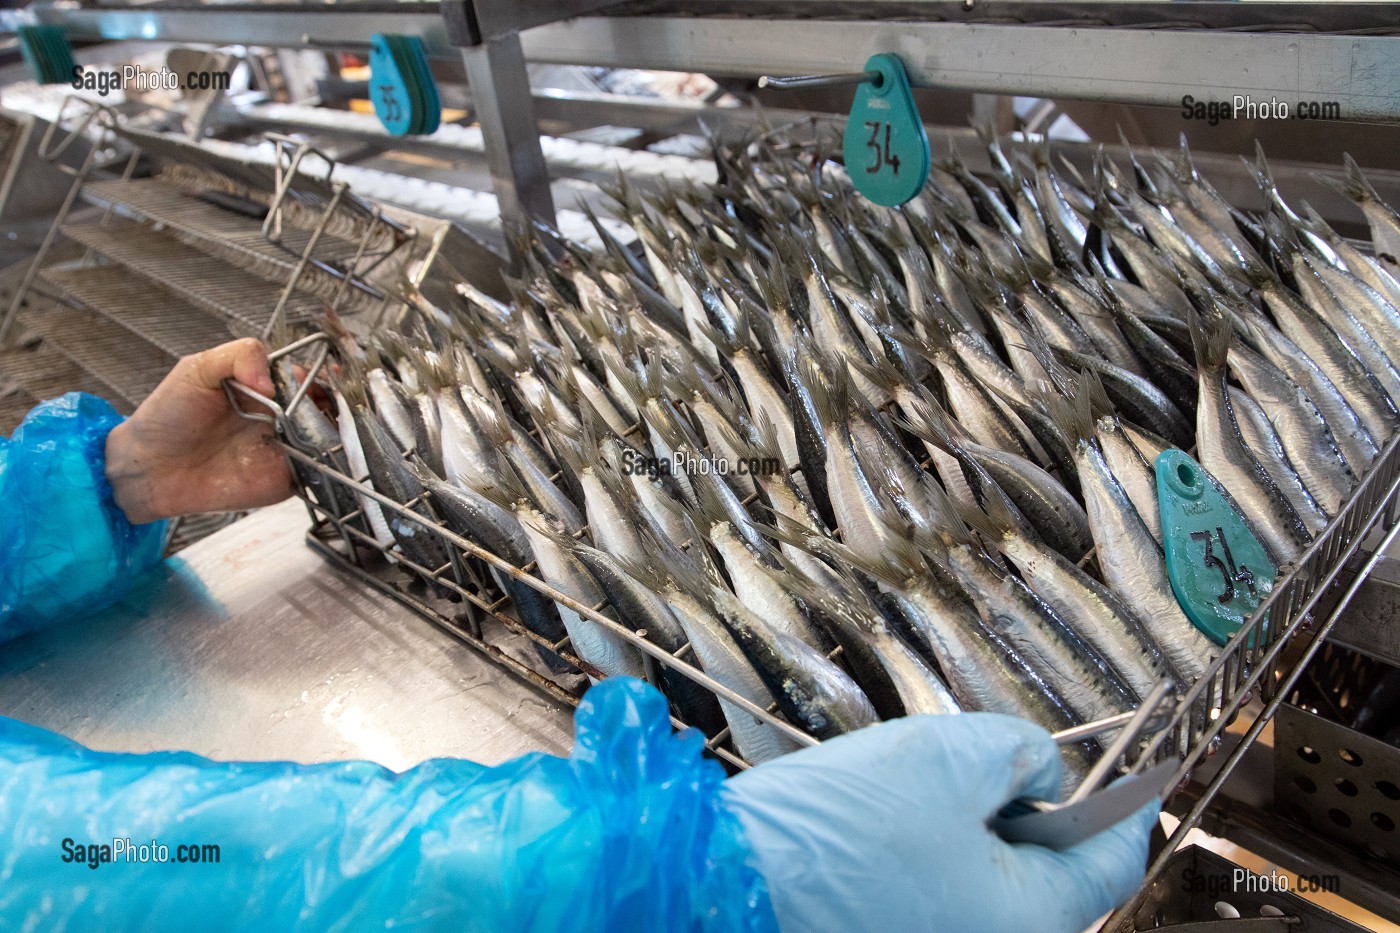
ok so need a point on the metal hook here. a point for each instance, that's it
(232, 385)
(1134, 729)
(279, 413)
(832, 80)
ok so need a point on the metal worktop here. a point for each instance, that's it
(247, 645)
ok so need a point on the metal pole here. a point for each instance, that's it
(506, 111)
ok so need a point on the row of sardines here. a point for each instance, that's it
(860, 462)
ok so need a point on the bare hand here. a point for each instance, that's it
(185, 450)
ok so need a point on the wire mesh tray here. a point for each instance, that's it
(1187, 729)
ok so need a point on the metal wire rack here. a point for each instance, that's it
(238, 239)
(1253, 663)
(161, 318)
(345, 540)
(43, 372)
(129, 365)
(208, 283)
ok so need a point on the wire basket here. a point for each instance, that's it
(1187, 729)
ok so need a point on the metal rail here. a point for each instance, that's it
(1077, 57)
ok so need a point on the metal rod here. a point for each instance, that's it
(42, 255)
(832, 80)
(277, 313)
(1131, 732)
(505, 109)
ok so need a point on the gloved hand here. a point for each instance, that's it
(886, 829)
(185, 450)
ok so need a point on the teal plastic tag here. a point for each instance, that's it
(413, 49)
(885, 146)
(1219, 570)
(395, 103)
(47, 52)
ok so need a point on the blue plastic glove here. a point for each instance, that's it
(64, 544)
(627, 834)
(886, 829)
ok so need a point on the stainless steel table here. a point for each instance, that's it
(248, 646)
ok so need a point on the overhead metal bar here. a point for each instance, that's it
(1130, 65)
(477, 22)
(1122, 65)
(274, 26)
(1304, 16)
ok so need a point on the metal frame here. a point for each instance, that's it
(1131, 727)
(1076, 56)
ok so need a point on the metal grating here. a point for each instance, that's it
(1338, 782)
(163, 319)
(127, 364)
(14, 405)
(188, 529)
(210, 283)
(44, 372)
(235, 238)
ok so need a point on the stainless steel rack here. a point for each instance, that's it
(344, 539)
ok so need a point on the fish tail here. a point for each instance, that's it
(1211, 339)
(1073, 415)
(928, 421)
(830, 396)
(993, 522)
(1091, 385)
(1353, 185)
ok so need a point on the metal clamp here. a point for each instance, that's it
(233, 388)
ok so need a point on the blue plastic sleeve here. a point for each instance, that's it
(65, 547)
(628, 834)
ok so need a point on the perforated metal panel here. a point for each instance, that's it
(1338, 782)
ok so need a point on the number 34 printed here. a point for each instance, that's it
(1229, 573)
(883, 156)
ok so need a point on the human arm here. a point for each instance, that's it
(82, 491)
(635, 831)
(887, 829)
(627, 834)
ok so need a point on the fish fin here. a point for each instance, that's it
(504, 490)
(1354, 185)
(993, 522)
(1091, 385)
(830, 397)
(1211, 338)
(1072, 414)
(881, 372)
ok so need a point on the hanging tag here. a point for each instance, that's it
(885, 147)
(412, 48)
(1219, 570)
(394, 102)
(48, 53)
